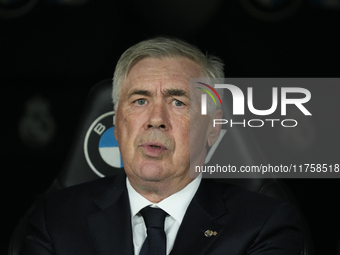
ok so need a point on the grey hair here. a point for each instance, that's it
(163, 47)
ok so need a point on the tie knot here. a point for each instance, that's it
(153, 217)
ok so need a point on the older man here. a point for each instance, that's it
(157, 208)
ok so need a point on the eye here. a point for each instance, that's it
(177, 103)
(140, 101)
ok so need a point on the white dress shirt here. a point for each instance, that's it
(175, 205)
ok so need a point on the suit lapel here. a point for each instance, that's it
(111, 226)
(206, 211)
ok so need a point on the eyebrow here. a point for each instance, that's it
(166, 93)
(175, 92)
(140, 92)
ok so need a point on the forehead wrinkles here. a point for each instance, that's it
(155, 74)
(161, 82)
(167, 87)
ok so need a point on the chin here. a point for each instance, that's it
(153, 177)
(152, 174)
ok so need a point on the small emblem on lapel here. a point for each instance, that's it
(210, 233)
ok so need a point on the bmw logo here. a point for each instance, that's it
(101, 147)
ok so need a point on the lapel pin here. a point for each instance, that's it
(210, 233)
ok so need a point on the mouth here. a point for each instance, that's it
(153, 149)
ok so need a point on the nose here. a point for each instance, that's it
(158, 116)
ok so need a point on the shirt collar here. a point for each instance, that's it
(175, 205)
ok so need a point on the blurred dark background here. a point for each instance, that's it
(53, 51)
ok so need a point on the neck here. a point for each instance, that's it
(156, 191)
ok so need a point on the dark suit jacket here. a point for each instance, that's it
(94, 218)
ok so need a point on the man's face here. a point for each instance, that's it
(152, 124)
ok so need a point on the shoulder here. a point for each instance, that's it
(233, 194)
(83, 195)
(243, 203)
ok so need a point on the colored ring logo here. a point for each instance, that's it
(204, 97)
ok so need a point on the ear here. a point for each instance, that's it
(214, 132)
(114, 123)
(115, 132)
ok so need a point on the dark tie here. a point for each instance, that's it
(155, 242)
